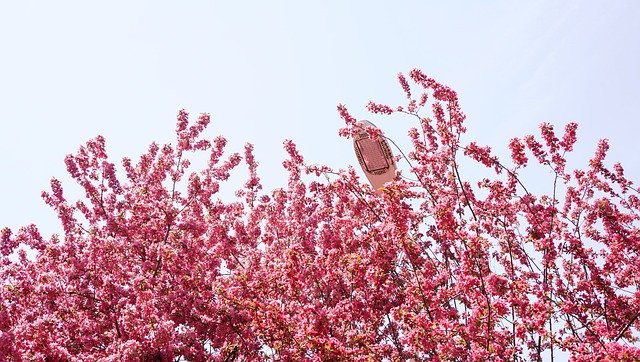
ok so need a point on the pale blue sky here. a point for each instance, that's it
(270, 70)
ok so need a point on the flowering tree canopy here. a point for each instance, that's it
(439, 265)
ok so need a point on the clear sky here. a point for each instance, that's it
(270, 70)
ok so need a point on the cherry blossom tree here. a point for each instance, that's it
(457, 259)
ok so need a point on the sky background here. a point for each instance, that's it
(274, 70)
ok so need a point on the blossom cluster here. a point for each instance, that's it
(154, 264)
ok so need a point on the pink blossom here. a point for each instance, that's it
(379, 108)
(517, 152)
(456, 260)
(405, 85)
